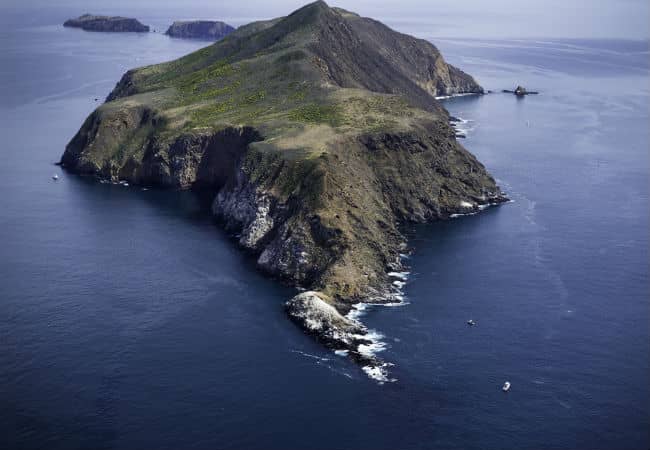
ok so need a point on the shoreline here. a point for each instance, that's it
(344, 333)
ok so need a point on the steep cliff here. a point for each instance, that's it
(318, 134)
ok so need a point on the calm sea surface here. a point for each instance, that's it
(128, 320)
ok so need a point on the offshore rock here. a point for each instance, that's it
(521, 91)
(90, 22)
(199, 29)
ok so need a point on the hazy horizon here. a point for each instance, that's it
(621, 19)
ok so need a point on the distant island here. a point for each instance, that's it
(318, 134)
(90, 22)
(520, 91)
(199, 29)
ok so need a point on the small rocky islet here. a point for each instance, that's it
(192, 29)
(90, 22)
(199, 29)
(318, 135)
(520, 91)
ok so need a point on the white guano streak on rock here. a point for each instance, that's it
(261, 224)
(319, 316)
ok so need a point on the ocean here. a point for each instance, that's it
(129, 320)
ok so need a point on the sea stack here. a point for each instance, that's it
(199, 29)
(520, 90)
(90, 22)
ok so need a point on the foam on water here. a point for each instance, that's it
(357, 311)
(445, 97)
(396, 297)
(309, 355)
(327, 362)
(400, 275)
(463, 126)
(454, 216)
(376, 344)
(473, 213)
(378, 373)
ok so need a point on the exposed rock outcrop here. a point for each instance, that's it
(319, 317)
(521, 91)
(90, 22)
(199, 29)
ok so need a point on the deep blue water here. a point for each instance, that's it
(128, 320)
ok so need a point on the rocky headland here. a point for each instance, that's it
(199, 29)
(318, 134)
(90, 22)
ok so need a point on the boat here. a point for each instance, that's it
(55, 177)
(471, 322)
(506, 386)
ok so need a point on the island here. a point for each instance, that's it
(90, 22)
(318, 136)
(199, 29)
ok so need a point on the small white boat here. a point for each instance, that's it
(506, 386)
(55, 177)
(471, 322)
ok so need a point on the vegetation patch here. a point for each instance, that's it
(317, 113)
(209, 115)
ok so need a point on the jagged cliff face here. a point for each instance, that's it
(318, 134)
(199, 29)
